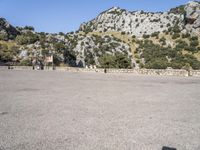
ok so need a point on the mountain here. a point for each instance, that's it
(139, 23)
(167, 29)
(7, 31)
(118, 38)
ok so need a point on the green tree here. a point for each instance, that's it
(107, 61)
(118, 60)
(122, 61)
(7, 53)
(3, 36)
(69, 57)
(89, 58)
(21, 40)
(27, 38)
(29, 28)
(157, 64)
(60, 47)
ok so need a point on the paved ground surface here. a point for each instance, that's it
(89, 111)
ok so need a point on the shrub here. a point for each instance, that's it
(27, 38)
(137, 56)
(194, 43)
(163, 41)
(89, 58)
(187, 35)
(146, 36)
(194, 63)
(123, 33)
(133, 36)
(61, 33)
(194, 38)
(29, 28)
(104, 30)
(191, 49)
(137, 61)
(122, 61)
(59, 47)
(168, 25)
(3, 36)
(157, 64)
(69, 58)
(25, 62)
(118, 60)
(107, 61)
(176, 65)
(176, 29)
(154, 34)
(181, 45)
(6, 53)
(141, 65)
(175, 36)
(178, 10)
(158, 57)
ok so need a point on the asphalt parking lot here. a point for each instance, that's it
(50, 110)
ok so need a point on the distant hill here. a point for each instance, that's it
(117, 38)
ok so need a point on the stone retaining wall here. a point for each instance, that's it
(162, 72)
(195, 73)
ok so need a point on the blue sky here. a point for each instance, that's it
(67, 15)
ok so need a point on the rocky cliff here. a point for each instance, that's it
(7, 31)
(139, 23)
(192, 17)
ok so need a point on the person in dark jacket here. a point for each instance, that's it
(105, 70)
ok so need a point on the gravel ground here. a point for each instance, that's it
(47, 110)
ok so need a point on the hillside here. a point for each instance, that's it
(7, 31)
(139, 23)
(116, 38)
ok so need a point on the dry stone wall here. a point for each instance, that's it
(161, 72)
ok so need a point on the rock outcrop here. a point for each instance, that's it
(141, 23)
(89, 48)
(7, 31)
(192, 17)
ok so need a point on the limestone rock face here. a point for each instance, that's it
(7, 30)
(90, 47)
(141, 23)
(193, 15)
(135, 23)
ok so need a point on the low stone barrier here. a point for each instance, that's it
(195, 73)
(17, 67)
(22, 67)
(3, 67)
(162, 72)
(74, 69)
